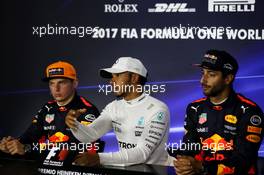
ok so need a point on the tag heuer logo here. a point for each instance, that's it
(202, 118)
(49, 118)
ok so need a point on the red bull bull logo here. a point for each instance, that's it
(222, 170)
(58, 137)
(216, 143)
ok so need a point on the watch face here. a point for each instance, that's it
(27, 148)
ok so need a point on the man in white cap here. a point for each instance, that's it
(140, 122)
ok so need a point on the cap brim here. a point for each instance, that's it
(46, 79)
(107, 72)
(197, 65)
(206, 67)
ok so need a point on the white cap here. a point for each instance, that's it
(124, 64)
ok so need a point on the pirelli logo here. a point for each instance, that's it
(231, 5)
(254, 129)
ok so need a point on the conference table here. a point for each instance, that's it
(14, 166)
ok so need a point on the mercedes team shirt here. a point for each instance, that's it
(141, 127)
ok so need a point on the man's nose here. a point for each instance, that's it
(57, 87)
(203, 79)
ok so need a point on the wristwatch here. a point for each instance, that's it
(27, 148)
(203, 170)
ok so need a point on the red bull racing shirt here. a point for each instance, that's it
(48, 126)
(225, 137)
(141, 127)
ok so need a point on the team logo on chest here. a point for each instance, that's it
(202, 118)
(160, 116)
(49, 118)
(62, 108)
(139, 126)
(140, 122)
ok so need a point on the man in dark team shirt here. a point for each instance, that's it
(48, 126)
(224, 130)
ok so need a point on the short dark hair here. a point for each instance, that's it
(143, 80)
(219, 60)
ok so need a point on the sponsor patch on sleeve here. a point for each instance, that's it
(85, 123)
(185, 131)
(253, 138)
(254, 129)
(255, 120)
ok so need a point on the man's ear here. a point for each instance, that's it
(229, 79)
(75, 83)
(135, 78)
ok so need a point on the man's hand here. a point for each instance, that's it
(3, 142)
(187, 165)
(71, 117)
(87, 159)
(15, 147)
